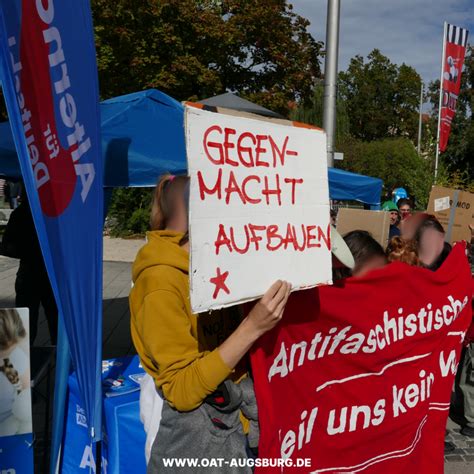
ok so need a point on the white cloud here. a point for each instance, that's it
(407, 31)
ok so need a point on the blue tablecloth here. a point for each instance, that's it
(123, 446)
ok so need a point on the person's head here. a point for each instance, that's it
(409, 226)
(333, 217)
(391, 207)
(429, 242)
(401, 250)
(169, 209)
(12, 331)
(405, 208)
(368, 253)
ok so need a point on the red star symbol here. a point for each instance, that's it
(219, 281)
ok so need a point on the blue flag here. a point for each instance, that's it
(49, 76)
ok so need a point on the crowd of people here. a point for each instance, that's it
(201, 372)
(197, 364)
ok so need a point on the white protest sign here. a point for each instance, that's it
(259, 207)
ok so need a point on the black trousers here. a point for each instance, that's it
(33, 290)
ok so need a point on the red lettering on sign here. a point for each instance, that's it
(228, 146)
(272, 238)
(277, 152)
(247, 240)
(244, 189)
(272, 233)
(203, 189)
(255, 239)
(259, 150)
(207, 144)
(241, 150)
(312, 237)
(222, 239)
(293, 182)
(325, 237)
(267, 191)
(233, 187)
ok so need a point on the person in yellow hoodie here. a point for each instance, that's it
(191, 357)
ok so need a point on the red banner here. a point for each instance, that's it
(453, 60)
(358, 377)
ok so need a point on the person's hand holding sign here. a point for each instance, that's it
(269, 310)
(263, 317)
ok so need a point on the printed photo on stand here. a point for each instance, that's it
(16, 428)
(15, 407)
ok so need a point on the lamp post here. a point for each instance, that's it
(330, 76)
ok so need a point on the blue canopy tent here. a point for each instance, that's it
(143, 137)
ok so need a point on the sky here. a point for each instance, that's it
(407, 31)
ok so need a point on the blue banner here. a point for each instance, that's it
(49, 75)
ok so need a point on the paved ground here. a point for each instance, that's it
(116, 335)
(121, 250)
(117, 341)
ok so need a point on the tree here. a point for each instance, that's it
(129, 211)
(394, 160)
(382, 99)
(195, 49)
(312, 113)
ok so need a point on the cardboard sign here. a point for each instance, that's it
(357, 378)
(455, 211)
(259, 207)
(375, 222)
(16, 425)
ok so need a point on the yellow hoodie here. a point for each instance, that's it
(176, 347)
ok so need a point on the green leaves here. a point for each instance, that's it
(196, 49)
(381, 97)
(395, 160)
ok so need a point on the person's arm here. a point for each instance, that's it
(186, 375)
(265, 315)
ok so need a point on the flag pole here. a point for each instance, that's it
(445, 29)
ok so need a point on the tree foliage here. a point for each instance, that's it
(381, 98)
(195, 49)
(394, 160)
(129, 211)
(312, 113)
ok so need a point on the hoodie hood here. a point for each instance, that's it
(162, 248)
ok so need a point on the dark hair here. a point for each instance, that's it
(441, 258)
(428, 222)
(363, 248)
(403, 202)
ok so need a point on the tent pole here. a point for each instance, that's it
(63, 363)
